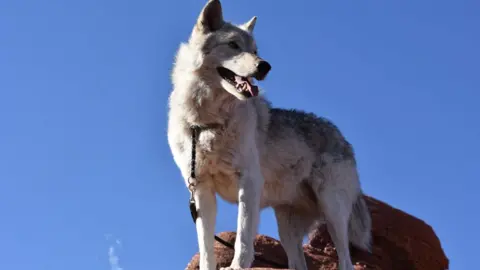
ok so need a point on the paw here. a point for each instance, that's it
(233, 267)
(359, 266)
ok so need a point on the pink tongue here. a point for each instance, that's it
(245, 85)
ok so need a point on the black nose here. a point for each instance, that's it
(262, 70)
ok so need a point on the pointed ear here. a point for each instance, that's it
(248, 26)
(211, 17)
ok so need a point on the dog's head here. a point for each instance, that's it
(229, 53)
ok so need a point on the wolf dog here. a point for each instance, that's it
(254, 155)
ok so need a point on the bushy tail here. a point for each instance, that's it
(360, 225)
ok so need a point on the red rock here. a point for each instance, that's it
(400, 242)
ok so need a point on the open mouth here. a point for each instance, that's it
(243, 85)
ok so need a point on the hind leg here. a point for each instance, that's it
(336, 195)
(292, 227)
(337, 208)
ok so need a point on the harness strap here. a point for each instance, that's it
(192, 180)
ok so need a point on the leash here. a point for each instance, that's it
(193, 209)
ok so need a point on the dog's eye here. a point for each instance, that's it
(233, 45)
(255, 52)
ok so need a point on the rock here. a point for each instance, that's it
(400, 242)
(269, 248)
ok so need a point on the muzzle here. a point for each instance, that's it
(263, 67)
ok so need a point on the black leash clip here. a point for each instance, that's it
(193, 211)
(193, 207)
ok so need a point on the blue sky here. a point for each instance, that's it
(85, 168)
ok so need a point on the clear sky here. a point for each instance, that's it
(87, 180)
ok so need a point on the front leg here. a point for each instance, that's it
(206, 204)
(250, 189)
(246, 160)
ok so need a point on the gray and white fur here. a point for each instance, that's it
(257, 156)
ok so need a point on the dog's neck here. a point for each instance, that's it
(200, 105)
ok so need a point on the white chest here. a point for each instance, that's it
(217, 162)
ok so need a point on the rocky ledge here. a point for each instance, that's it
(400, 242)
